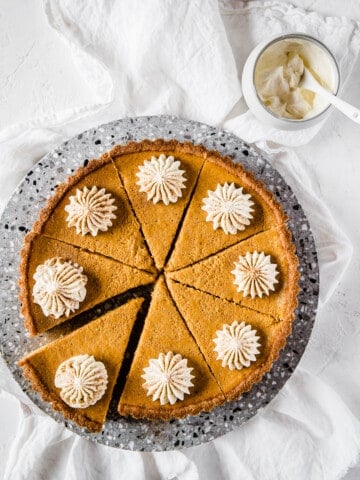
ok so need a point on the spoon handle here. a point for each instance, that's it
(349, 110)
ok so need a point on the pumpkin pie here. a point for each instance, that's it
(165, 331)
(106, 278)
(206, 314)
(106, 340)
(215, 275)
(153, 216)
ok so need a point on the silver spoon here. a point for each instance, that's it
(309, 82)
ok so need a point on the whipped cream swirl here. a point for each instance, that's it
(90, 211)
(236, 345)
(82, 380)
(255, 275)
(161, 179)
(59, 287)
(228, 208)
(168, 378)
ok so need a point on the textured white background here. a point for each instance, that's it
(38, 72)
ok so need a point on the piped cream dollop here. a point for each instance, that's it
(161, 179)
(236, 345)
(255, 275)
(90, 211)
(59, 287)
(82, 380)
(228, 207)
(168, 378)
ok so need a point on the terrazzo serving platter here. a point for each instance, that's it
(30, 197)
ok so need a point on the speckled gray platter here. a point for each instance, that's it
(22, 210)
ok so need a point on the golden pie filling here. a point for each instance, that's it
(195, 255)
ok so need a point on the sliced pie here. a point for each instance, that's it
(106, 278)
(205, 315)
(121, 241)
(214, 274)
(105, 339)
(198, 239)
(165, 331)
(157, 215)
(159, 222)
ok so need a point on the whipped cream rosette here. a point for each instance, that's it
(161, 179)
(59, 287)
(168, 378)
(255, 275)
(236, 345)
(82, 381)
(90, 211)
(228, 208)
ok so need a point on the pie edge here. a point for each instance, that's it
(155, 414)
(23, 283)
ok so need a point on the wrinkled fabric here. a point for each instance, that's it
(259, 21)
(185, 58)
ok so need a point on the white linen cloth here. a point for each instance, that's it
(158, 57)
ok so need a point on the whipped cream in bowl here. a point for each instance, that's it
(272, 81)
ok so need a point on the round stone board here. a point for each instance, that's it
(30, 197)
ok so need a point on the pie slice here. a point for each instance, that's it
(214, 274)
(122, 241)
(165, 331)
(197, 238)
(159, 222)
(105, 338)
(106, 278)
(206, 314)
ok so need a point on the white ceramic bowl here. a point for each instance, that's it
(254, 102)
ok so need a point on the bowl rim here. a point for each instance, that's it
(321, 45)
